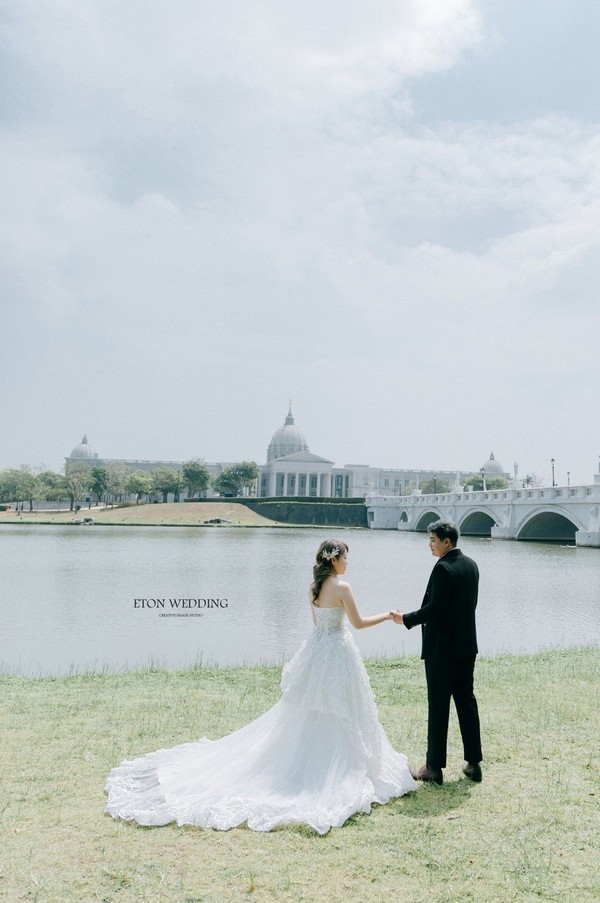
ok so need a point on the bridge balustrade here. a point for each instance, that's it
(550, 513)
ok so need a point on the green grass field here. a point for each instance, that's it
(529, 832)
(189, 514)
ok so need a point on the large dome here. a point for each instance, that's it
(287, 440)
(493, 468)
(83, 450)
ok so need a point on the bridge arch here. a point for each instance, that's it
(404, 517)
(425, 519)
(548, 525)
(477, 523)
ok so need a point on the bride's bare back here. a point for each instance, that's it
(331, 593)
(336, 593)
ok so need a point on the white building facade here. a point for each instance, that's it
(292, 470)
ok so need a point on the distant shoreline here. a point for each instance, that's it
(162, 514)
(218, 514)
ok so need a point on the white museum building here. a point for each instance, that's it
(292, 470)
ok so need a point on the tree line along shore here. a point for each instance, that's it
(82, 483)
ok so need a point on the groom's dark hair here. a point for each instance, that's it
(444, 529)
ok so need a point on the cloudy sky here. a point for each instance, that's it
(389, 213)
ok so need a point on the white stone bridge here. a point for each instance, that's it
(567, 514)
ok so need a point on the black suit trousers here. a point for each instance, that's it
(446, 680)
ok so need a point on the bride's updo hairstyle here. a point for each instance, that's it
(327, 552)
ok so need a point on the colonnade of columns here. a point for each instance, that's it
(300, 483)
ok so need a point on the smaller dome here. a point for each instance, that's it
(493, 468)
(83, 450)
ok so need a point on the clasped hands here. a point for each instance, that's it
(396, 616)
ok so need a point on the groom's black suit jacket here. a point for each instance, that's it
(447, 614)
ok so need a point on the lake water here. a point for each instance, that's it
(69, 595)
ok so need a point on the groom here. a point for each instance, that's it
(447, 618)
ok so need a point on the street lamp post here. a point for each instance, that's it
(434, 484)
(553, 462)
(568, 477)
(482, 472)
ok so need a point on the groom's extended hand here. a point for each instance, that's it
(397, 617)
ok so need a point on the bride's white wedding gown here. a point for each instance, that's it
(316, 757)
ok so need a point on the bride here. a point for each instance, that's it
(316, 757)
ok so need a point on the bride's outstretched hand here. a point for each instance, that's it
(397, 616)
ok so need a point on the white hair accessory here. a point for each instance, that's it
(329, 556)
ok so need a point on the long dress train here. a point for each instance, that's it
(316, 757)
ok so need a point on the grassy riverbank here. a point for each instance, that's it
(528, 832)
(190, 514)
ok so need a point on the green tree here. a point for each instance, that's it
(497, 483)
(476, 482)
(139, 483)
(78, 479)
(166, 480)
(9, 485)
(196, 477)
(438, 485)
(29, 489)
(39, 488)
(234, 479)
(54, 486)
(117, 474)
(20, 485)
(99, 485)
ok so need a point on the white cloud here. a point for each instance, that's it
(244, 187)
(151, 59)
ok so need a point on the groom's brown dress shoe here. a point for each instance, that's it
(473, 771)
(431, 775)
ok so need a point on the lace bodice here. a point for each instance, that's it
(330, 620)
